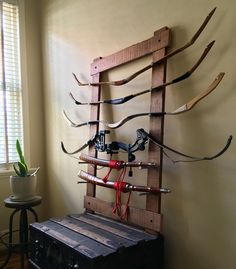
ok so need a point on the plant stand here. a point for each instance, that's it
(23, 208)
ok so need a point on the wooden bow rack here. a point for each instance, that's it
(156, 46)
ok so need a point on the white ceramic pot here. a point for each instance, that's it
(23, 188)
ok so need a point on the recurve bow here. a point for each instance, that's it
(143, 133)
(174, 52)
(122, 100)
(184, 108)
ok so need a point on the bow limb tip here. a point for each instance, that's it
(72, 152)
(210, 15)
(73, 98)
(212, 12)
(77, 80)
(228, 143)
(201, 28)
(209, 46)
(63, 148)
(71, 123)
(205, 52)
(191, 104)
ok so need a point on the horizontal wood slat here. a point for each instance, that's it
(114, 227)
(140, 217)
(79, 242)
(158, 41)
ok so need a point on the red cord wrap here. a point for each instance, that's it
(115, 164)
(120, 185)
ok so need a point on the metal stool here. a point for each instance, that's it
(23, 225)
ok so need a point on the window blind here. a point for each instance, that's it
(11, 122)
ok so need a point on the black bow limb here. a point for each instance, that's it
(190, 158)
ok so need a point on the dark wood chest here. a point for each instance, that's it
(92, 242)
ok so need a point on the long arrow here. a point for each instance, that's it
(176, 80)
(128, 79)
(184, 108)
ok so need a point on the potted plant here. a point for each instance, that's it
(23, 184)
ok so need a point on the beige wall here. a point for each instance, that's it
(199, 214)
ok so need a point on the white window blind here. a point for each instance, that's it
(11, 123)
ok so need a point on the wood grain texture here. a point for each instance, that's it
(73, 239)
(95, 233)
(157, 104)
(137, 216)
(93, 129)
(114, 227)
(134, 52)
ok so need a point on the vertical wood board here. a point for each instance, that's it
(157, 104)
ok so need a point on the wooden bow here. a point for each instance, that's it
(176, 80)
(184, 108)
(131, 77)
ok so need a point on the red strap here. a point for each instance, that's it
(119, 186)
(125, 214)
(106, 176)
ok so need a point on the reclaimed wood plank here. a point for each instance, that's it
(131, 53)
(93, 129)
(114, 227)
(137, 216)
(156, 129)
(81, 243)
(95, 233)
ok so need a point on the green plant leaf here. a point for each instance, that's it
(20, 168)
(23, 169)
(16, 170)
(19, 151)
